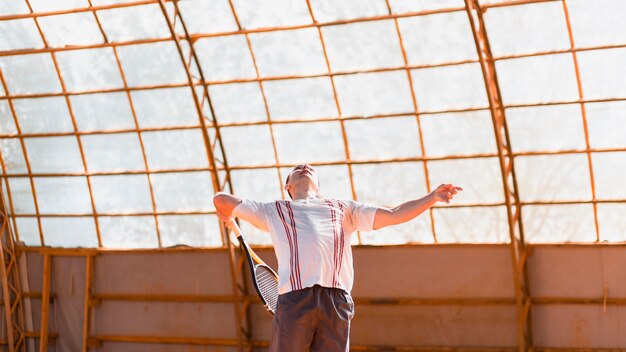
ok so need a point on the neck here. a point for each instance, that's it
(305, 193)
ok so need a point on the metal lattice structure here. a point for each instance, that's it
(120, 120)
(273, 152)
(11, 288)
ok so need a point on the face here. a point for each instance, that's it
(301, 176)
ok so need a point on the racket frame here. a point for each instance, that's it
(254, 261)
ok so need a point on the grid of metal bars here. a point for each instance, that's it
(213, 124)
(207, 125)
(511, 190)
(215, 148)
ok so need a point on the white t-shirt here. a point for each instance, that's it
(311, 238)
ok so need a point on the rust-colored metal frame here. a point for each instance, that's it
(218, 163)
(11, 287)
(193, 38)
(93, 299)
(238, 288)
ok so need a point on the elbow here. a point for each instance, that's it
(225, 203)
(220, 199)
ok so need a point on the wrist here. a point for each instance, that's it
(432, 197)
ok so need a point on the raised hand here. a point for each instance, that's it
(445, 192)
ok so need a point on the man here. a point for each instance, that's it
(311, 237)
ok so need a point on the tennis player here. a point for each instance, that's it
(311, 236)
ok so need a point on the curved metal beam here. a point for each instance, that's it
(236, 265)
(509, 182)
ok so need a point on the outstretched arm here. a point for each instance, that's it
(407, 211)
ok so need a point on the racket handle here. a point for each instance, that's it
(234, 227)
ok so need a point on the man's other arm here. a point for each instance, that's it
(410, 210)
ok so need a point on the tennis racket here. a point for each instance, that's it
(264, 278)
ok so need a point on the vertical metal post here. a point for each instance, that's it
(11, 288)
(45, 304)
(87, 304)
(519, 252)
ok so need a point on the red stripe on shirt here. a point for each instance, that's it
(291, 256)
(295, 240)
(342, 238)
(335, 244)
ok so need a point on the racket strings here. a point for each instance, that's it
(268, 285)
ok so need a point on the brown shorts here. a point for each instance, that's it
(312, 319)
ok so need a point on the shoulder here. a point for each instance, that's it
(255, 205)
(356, 207)
(346, 203)
(281, 205)
(340, 205)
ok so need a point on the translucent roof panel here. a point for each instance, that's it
(42, 115)
(526, 29)
(384, 138)
(362, 45)
(538, 79)
(85, 70)
(71, 29)
(378, 93)
(225, 58)
(19, 34)
(293, 52)
(134, 23)
(120, 120)
(305, 99)
(29, 74)
(436, 39)
(238, 102)
(542, 128)
(449, 87)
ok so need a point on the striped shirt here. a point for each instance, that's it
(311, 238)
